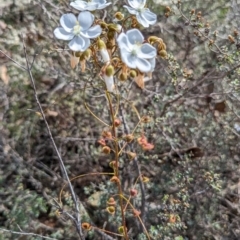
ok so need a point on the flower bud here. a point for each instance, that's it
(133, 192)
(152, 39)
(162, 53)
(101, 44)
(133, 74)
(87, 54)
(117, 122)
(111, 209)
(111, 202)
(115, 179)
(106, 149)
(108, 77)
(103, 25)
(119, 16)
(107, 134)
(109, 71)
(168, 9)
(103, 51)
(122, 76)
(113, 164)
(192, 11)
(121, 230)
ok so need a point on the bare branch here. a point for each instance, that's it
(19, 65)
(77, 219)
(26, 234)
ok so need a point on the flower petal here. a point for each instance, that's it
(131, 10)
(137, 3)
(143, 65)
(103, 6)
(85, 20)
(123, 41)
(128, 58)
(153, 63)
(79, 5)
(60, 33)
(149, 16)
(147, 51)
(79, 43)
(92, 32)
(68, 21)
(91, 6)
(142, 20)
(105, 55)
(134, 36)
(109, 82)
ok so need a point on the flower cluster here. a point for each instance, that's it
(121, 53)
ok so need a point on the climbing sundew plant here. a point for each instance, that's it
(119, 54)
(121, 120)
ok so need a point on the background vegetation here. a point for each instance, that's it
(193, 103)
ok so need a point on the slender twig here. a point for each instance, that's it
(19, 65)
(26, 234)
(77, 220)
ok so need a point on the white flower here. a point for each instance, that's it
(91, 5)
(109, 82)
(78, 30)
(143, 15)
(135, 53)
(105, 55)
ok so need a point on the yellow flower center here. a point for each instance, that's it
(76, 29)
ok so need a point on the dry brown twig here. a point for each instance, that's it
(77, 218)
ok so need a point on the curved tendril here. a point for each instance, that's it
(90, 111)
